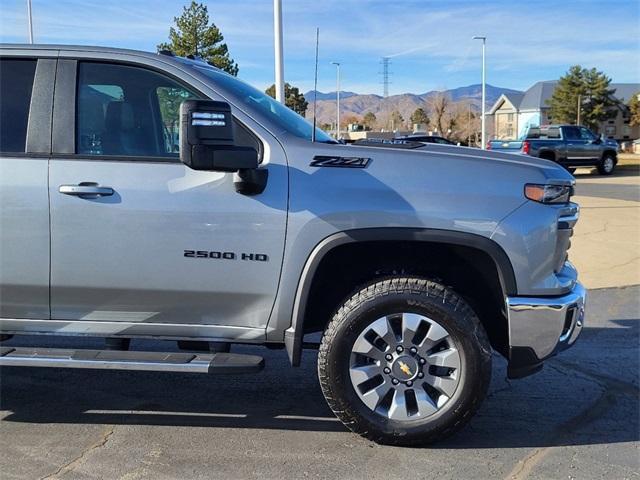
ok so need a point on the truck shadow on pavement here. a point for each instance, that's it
(632, 170)
(580, 398)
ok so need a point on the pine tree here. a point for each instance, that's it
(193, 35)
(634, 109)
(419, 116)
(369, 120)
(564, 102)
(596, 107)
(587, 86)
(292, 98)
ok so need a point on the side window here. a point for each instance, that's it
(169, 100)
(585, 134)
(16, 85)
(571, 133)
(127, 111)
(93, 101)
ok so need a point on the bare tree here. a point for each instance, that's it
(464, 123)
(439, 105)
(397, 120)
(350, 119)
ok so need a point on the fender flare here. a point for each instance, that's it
(293, 336)
(546, 150)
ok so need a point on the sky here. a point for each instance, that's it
(429, 42)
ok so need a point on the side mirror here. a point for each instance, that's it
(206, 138)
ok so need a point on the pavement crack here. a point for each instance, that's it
(605, 381)
(524, 467)
(69, 466)
(508, 386)
(611, 387)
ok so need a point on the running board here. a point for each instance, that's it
(131, 360)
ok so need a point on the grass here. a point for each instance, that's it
(628, 164)
(625, 159)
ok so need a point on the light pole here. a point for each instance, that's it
(30, 21)
(337, 64)
(484, 78)
(277, 37)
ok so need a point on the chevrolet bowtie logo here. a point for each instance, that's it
(405, 368)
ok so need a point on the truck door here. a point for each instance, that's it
(153, 241)
(26, 95)
(576, 145)
(592, 148)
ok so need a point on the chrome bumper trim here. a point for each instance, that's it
(546, 325)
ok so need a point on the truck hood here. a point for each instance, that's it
(454, 155)
(344, 187)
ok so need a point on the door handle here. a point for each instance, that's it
(86, 189)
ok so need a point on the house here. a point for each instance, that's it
(514, 113)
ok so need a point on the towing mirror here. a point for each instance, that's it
(206, 138)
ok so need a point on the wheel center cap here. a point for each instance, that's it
(405, 368)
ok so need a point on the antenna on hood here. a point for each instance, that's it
(315, 87)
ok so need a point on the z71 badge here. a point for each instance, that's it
(214, 255)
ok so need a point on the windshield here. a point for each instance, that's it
(254, 99)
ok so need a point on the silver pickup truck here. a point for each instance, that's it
(149, 196)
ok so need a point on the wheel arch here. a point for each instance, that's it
(548, 154)
(611, 152)
(294, 334)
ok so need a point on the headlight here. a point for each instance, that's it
(548, 193)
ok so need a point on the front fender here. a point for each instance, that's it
(293, 336)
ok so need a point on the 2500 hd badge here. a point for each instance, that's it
(252, 257)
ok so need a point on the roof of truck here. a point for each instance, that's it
(83, 48)
(95, 49)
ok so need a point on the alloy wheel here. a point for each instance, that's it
(405, 366)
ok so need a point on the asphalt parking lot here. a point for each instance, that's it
(606, 241)
(578, 418)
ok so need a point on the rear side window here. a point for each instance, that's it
(571, 133)
(16, 86)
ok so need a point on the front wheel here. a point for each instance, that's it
(404, 361)
(607, 165)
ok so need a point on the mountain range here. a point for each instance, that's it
(352, 103)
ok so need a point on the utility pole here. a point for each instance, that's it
(30, 21)
(579, 108)
(484, 81)
(337, 64)
(277, 36)
(469, 127)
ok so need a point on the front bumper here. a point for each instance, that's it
(540, 327)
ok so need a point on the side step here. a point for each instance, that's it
(131, 360)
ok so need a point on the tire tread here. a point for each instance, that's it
(384, 287)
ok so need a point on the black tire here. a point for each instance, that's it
(415, 295)
(607, 165)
